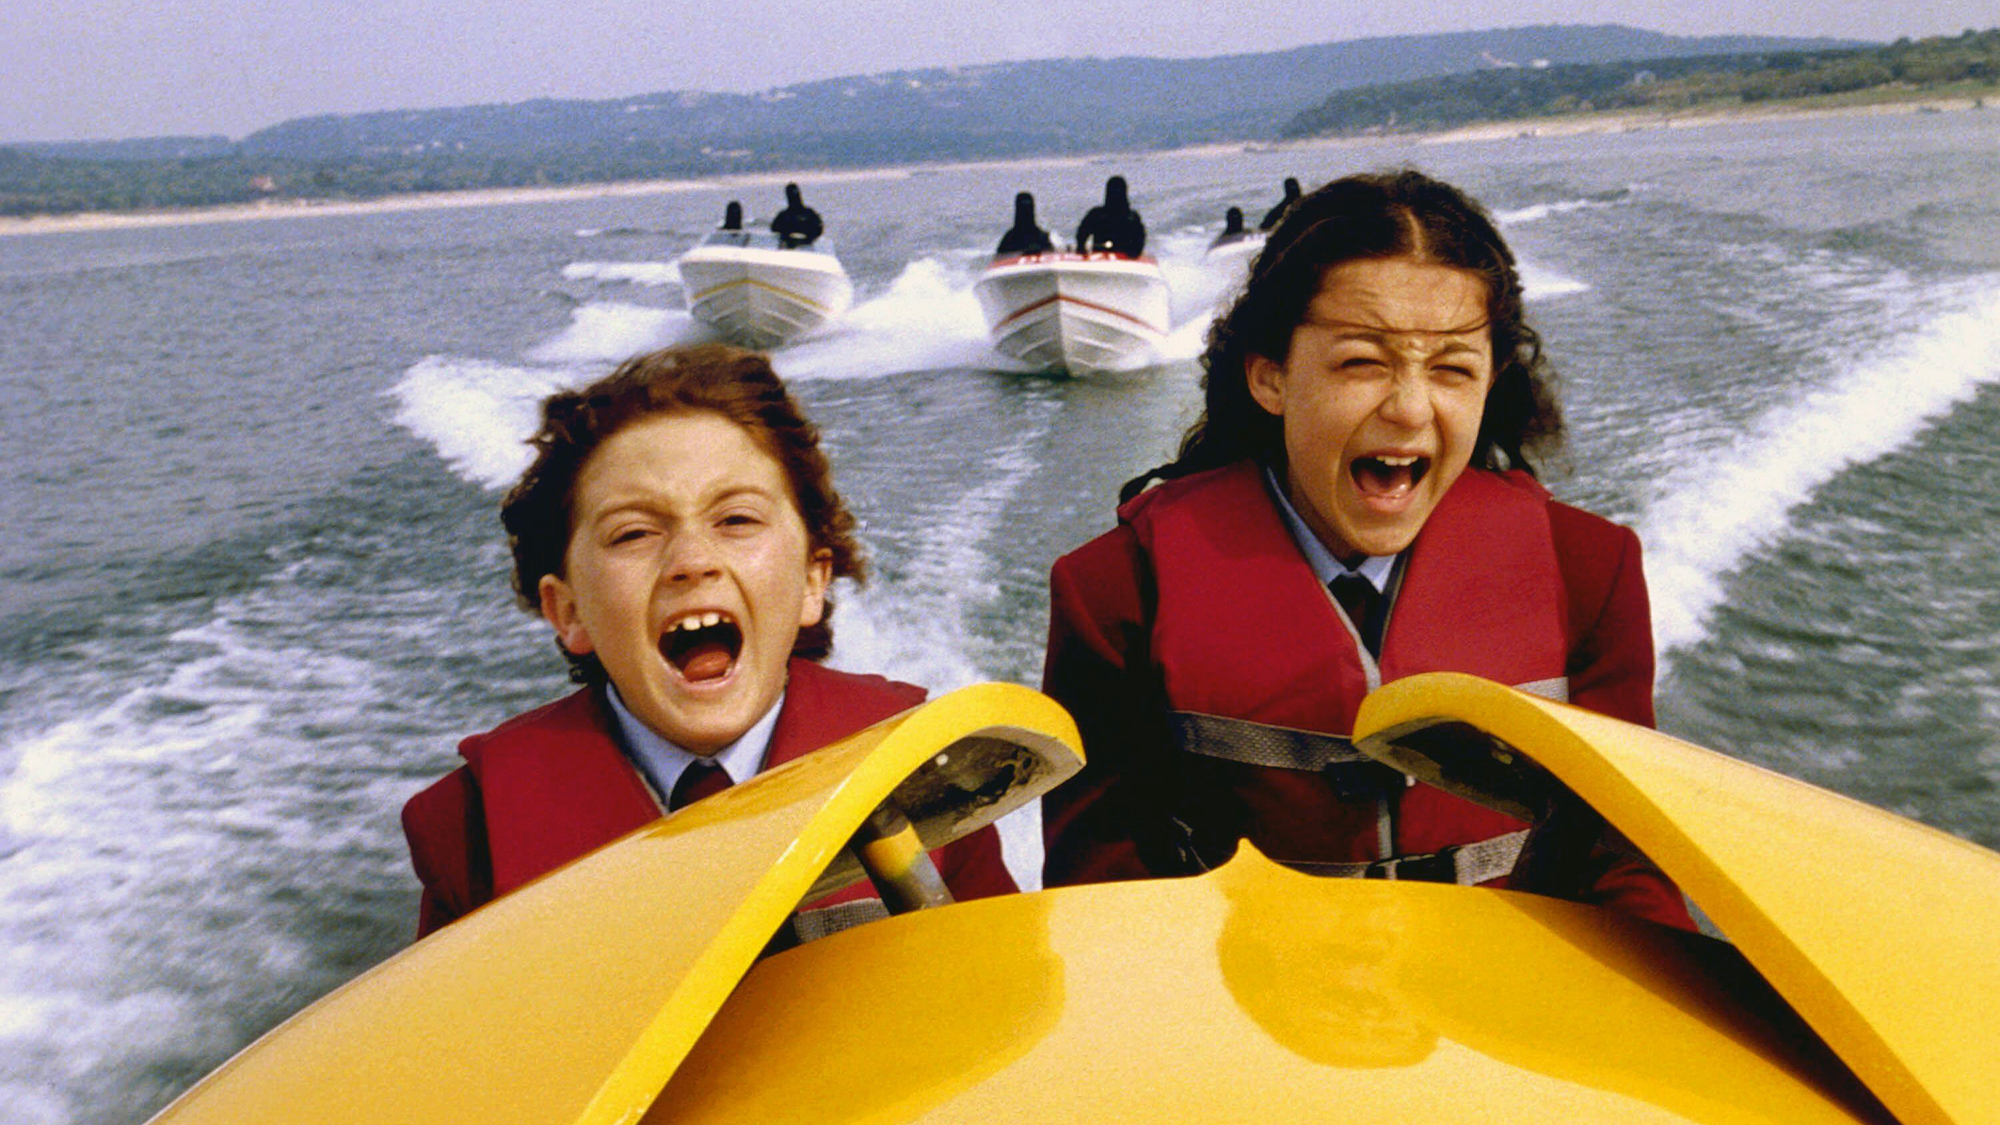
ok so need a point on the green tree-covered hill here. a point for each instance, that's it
(1666, 84)
(986, 112)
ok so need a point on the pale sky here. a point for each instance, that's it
(124, 68)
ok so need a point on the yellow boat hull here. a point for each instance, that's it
(575, 998)
(1883, 934)
(1254, 994)
(623, 987)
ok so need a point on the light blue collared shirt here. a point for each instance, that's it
(1375, 568)
(662, 762)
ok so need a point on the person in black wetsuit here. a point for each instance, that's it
(731, 232)
(1232, 228)
(1112, 227)
(797, 224)
(1292, 194)
(1024, 237)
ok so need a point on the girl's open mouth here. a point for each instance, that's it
(702, 646)
(1388, 477)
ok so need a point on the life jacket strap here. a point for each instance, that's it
(1354, 775)
(1288, 748)
(1464, 864)
(1261, 744)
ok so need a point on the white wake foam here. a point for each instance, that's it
(637, 273)
(1183, 344)
(1539, 283)
(241, 757)
(1536, 212)
(1201, 288)
(917, 629)
(609, 332)
(477, 415)
(926, 319)
(1712, 515)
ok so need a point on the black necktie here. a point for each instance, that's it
(702, 779)
(1362, 601)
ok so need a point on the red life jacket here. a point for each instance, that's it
(555, 783)
(549, 786)
(1243, 630)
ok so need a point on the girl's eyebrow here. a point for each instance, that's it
(1430, 345)
(1380, 331)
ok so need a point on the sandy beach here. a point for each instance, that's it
(492, 197)
(498, 197)
(1688, 119)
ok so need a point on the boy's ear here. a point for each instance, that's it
(1267, 382)
(559, 610)
(819, 572)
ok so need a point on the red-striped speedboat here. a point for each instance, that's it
(1080, 313)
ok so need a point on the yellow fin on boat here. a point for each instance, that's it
(1882, 934)
(575, 998)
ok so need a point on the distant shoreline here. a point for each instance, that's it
(1485, 132)
(503, 196)
(1641, 120)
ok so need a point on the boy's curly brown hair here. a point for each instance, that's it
(540, 510)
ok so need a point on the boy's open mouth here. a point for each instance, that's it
(703, 646)
(1388, 476)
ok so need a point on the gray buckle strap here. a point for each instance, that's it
(811, 925)
(1330, 870)
(1464, 864)
(1260, 744)
(1288, 748)
(1353, 775)
(1489, 859)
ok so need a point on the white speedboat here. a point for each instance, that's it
(1080, 313)
(761, 294)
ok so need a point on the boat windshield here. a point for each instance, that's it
(761, 240)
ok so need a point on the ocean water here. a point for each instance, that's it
(254, 589)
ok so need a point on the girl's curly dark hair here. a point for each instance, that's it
(1403, 214)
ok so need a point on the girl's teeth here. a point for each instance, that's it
(708, 619)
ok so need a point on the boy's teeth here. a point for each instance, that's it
(1396, 461)
(708, 619)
